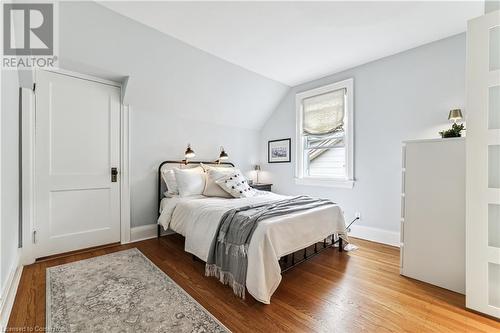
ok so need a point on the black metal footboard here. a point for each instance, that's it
(293, 259)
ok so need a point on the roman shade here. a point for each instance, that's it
(324, 114)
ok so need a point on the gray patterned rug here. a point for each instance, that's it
(121, 292)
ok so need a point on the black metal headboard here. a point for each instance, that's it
(180, 164)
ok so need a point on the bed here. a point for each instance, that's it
(197, 218)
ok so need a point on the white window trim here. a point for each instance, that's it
(300, 179)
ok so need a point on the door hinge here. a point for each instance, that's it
(34, 86)
(34, 237)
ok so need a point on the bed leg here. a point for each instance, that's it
(159, 231)
(341, 245)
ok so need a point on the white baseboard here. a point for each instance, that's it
(9, 294)
(375, 235)
(146, 232)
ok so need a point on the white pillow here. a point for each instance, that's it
(212, 189)
(190, 181)
(236, 185)
(169, 179)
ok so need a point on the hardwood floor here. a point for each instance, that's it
(358, 291)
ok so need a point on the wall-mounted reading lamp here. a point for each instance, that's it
(223, 156)
(189, 153)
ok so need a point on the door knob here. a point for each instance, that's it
(114, 174)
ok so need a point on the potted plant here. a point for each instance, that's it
(453, 132)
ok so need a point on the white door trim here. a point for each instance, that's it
(124, 174)
(27, 174)
(84, 76)
(28, 253)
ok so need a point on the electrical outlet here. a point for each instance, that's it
(357, 215)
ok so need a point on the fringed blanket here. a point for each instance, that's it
(227, 258)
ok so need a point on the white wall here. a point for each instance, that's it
(178, 94)
(9, 176)
(491, 5)
(404, 96)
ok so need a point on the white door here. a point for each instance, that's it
(77, 143)
(483, 165)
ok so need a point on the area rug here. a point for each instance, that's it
(121, 292)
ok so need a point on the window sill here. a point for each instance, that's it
(325, 182)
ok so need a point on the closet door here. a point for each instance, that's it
(483, 165)
(77, 197)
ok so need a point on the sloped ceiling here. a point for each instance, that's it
(165, 76)
(295, 42)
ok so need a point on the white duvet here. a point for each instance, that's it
(197, 219)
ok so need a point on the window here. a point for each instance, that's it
(325, 135)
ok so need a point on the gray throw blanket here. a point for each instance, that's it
(227, 258)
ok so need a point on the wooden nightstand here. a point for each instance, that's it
(262, 187)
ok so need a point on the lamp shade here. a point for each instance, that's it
(455, 114)
(189, 152)
(223, 155)
(257, 168)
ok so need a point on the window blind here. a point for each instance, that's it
(324, 114)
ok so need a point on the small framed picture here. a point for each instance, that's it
(278, 151)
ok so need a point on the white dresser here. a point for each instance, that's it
(433, 212)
